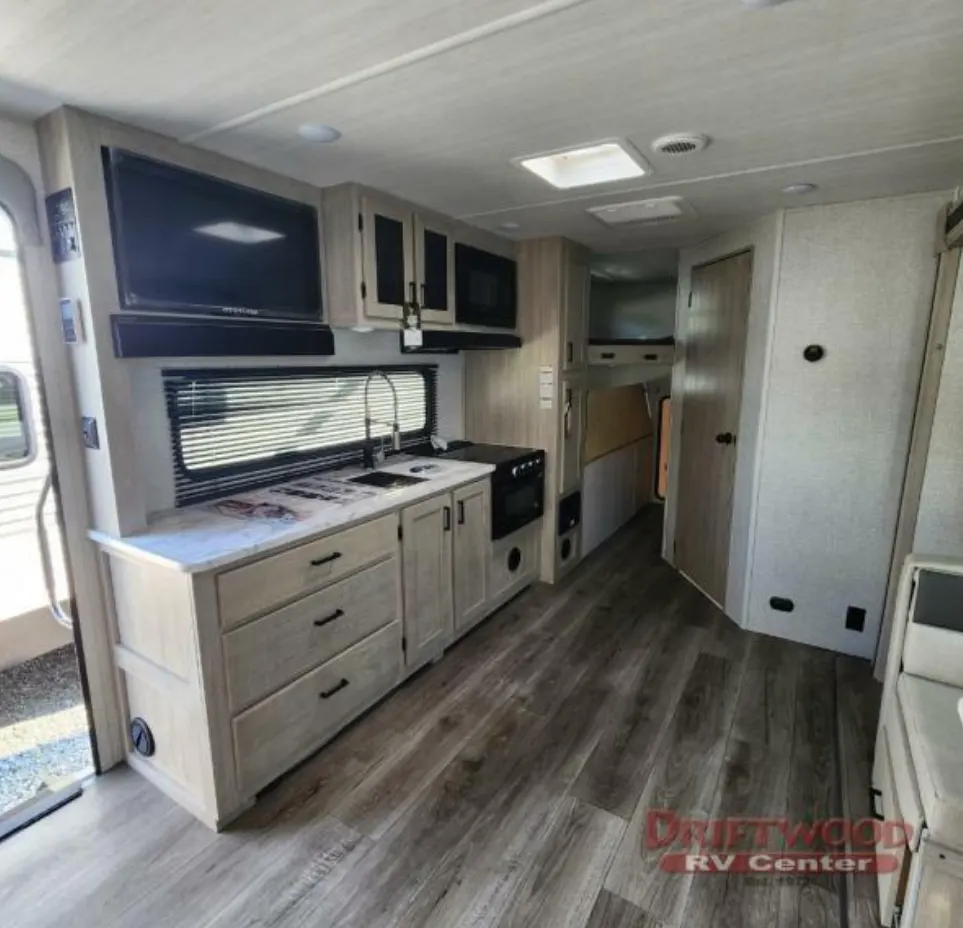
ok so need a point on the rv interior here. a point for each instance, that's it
(481, 464)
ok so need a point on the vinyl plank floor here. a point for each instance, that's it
(507, 785)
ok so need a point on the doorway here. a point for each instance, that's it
(711, 397)
(45, 745)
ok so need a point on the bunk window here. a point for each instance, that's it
(239, 429)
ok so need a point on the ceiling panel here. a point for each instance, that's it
(435, 97)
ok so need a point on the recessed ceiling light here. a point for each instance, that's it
(598, 163)
(509, 226)
(319, 134)
(655, 210)
(759, 4)
(800, 189)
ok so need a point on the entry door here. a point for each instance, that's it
(715, 344)
(44, 740)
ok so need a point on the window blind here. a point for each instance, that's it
(235, 429)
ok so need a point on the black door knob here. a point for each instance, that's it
(725, 438)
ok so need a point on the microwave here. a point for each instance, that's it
(486, 288)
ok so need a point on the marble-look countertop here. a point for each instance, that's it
(200, 538)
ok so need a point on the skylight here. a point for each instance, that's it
(599, 163)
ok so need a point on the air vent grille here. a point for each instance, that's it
(680, 144)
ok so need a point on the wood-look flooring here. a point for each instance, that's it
(506, 785)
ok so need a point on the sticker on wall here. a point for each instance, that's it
(62, 222)
(546, 387)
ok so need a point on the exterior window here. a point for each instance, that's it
(238, 429)
(662, 455)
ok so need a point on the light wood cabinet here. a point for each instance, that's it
(426, 554)
(241, 672)
(383, 255)
(570, 436)
(574, 312)
(471, 543)
(535, 397)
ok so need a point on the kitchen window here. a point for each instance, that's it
(234, 429)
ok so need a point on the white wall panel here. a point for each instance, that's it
(611, 492)
(939, 524)
(857, 279)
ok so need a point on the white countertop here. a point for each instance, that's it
(202, 537)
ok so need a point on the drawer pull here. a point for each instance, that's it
(340, 685)
(608, 354)
(317, 562)
(329, 618)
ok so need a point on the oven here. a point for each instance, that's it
(485, 288)
(518, 494)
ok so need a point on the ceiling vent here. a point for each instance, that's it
(663, 209)
(681, 143)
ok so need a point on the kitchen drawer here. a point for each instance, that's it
(275, 734)
(273, 581)
(269, 652)
(631, 354)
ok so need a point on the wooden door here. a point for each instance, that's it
(572, 418)
(472, 540)
(426, 558)
(388, 257)
(714, 347)
(435, 269)
(575, 297)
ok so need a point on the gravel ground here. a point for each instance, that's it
(43, 725)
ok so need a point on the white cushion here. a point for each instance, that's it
(935, 734)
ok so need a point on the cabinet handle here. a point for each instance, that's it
(317, 562)
(423, 292)
(873, 793)
(569, 351)
(568, 413)
(461, 512)
(447, 518)
(412, 293)
(340, 685)
(329, 618)
(608, 354)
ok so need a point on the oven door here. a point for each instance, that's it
(516, 503)
(485, 288)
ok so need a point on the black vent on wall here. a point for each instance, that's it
(236, 429)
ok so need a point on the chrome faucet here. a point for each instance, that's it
(368, 455)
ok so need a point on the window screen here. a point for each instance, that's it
(238, 429)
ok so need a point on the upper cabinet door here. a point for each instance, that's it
(388, 256)
(575, 298)
(435, 269)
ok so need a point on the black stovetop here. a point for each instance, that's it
(478, 453)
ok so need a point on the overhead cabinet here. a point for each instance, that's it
(384, 256)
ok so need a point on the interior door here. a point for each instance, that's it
(389, 266)
(715, 344)
(426, 559)
(435, 269)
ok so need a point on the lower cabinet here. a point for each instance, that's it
(426, 556)
(241, 673)
(471, 541)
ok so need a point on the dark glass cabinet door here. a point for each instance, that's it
(389, 272)
(434, 260)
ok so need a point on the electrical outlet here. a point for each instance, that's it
(855, 619)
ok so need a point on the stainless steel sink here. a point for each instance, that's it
(380, 478)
